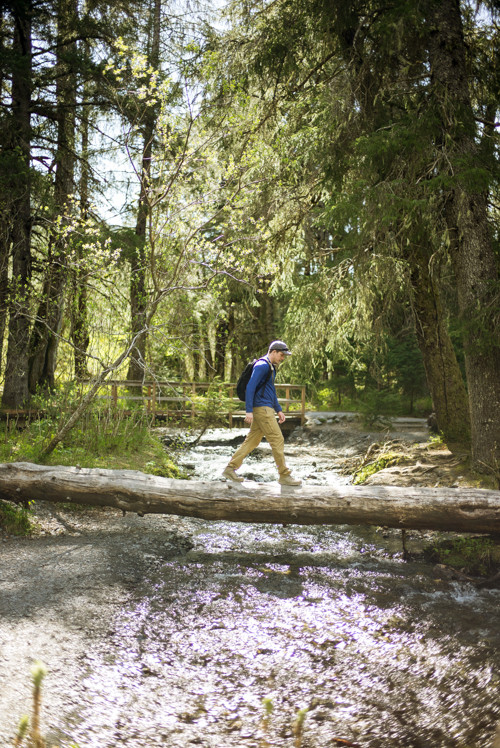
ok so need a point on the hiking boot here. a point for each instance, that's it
(287, 480)
(230, 474)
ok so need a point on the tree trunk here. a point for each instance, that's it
(476, 266)
(79, 325)
(444, 378)
(5, 235)
(461, 510)
(268, 317)
(80, 336)
(15, 392)
(222, 341)
(5, 217)
(45, 334)
(202, 361)
(138, 265)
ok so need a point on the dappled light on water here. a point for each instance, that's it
(379, 652)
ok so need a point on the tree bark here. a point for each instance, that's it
(5, 215)
(138, 268)
(45, 334)
(15, 391)
(471, 241)
(444, 378)
(80, 335)
(4, 278)
(461, 510)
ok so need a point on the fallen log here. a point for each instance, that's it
(457, 509)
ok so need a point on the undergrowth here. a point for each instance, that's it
(386, 460)
(370, 403)
(478, 555)
(102, 439)
(16, 520)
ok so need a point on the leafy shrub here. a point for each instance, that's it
(103, 437)
(15, 520)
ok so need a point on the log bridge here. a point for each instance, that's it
(452, 509)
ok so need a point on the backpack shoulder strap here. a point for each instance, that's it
(269, 373)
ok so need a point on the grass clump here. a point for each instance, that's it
(102, 439)
(15, 520)
(126, 445)
(386, 460)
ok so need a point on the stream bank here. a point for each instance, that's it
(167, 631)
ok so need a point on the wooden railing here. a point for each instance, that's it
(179, 399)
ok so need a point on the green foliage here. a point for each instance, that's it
(15, 520)
(311, 166)
(213, 405)
(374, 405)
(362, 160)
(386, 460)
(436, 441)
(104, 437)
(377, 405)
(473, 555)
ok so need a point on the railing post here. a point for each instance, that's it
(287, 397)
(114, 394)
(193, 392)
(303, 405)
(154, 402)
(231, 395)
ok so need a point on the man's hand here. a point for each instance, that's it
(249, 418)
(281, 417)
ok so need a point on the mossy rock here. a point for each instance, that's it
(477, 555)
(384, 461)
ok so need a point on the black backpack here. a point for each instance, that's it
(241, 386)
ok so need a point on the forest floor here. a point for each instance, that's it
(400, 452)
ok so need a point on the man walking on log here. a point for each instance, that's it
(261, 404)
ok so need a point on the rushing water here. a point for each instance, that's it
(220, 616)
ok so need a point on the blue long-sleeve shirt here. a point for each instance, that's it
(265, 395)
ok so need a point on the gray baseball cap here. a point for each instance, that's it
(279, 345)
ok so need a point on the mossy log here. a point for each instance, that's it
(457, 509)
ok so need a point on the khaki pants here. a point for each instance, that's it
(264, 424)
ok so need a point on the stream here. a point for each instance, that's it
(167, 631)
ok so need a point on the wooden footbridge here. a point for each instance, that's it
(178, 401)
(175, 401)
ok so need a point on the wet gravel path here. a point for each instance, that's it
(60, 594)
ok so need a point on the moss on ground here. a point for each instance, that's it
(388, 459)
(470, 554)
